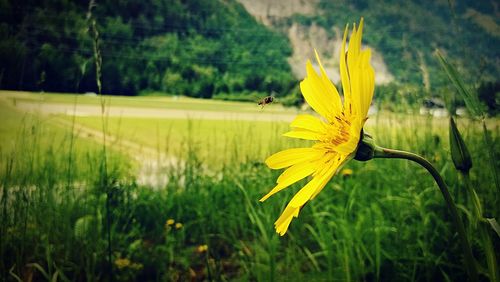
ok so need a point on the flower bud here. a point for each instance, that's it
(459, 153)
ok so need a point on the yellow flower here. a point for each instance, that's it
(178, 225)
(169, 222)
(122, 262)
(202, 248)
(346, 172)
(336, 133)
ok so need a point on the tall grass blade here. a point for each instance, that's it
(494, 224)
(474, 107)
(471, 100)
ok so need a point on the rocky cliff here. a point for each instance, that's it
(304, 39)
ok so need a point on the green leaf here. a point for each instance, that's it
(494, 224)
(84, 226)
(471, 100)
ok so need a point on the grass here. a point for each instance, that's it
(217, 141)
(154, 102)
(385, 222)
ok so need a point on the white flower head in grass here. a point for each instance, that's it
(336, 133)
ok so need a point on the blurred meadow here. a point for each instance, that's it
(379, 220)
(132, 145)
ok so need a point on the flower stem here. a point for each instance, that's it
(396, 154)
(482, 225)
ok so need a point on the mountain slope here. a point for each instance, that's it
(403, 34)
(225, 48)
(195, 47)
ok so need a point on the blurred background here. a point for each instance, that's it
(240, 50)
(132, 145)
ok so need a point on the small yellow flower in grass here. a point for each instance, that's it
(346, 172)
(170, 222)
(178, 225)
(336, 133)
(202, 248)
(122, 263)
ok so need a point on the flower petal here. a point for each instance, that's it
(290, 157)
(312, 89)
(354, 45)
(354, 74)
(309, 122)
(317, 183)
(348, 147)
(303, 134)
(290, 176)
(367, 82)
(344, 74)
(341, 161)
(325, 88)
(286, 217)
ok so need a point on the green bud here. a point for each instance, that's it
(459, 153)
(366, 148)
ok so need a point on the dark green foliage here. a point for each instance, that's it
(400, 30)
(207, 48)
(386, 221)
(407, 33)
(194, 48)
(489, 94)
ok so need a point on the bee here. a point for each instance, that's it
(266, 100)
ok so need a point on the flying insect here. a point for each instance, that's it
(266, 100)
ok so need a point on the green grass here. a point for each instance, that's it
(385, 222)
(155, 102)
(217, 142)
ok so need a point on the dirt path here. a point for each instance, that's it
(122, 111)
(152, 163)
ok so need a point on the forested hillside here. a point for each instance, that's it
(403, 36)
(205, 48)
(195, 48)
(407, 33)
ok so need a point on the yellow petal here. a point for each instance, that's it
(317, 183)
(284, 220)
(312, 89)
(296, 172)
(348, 147)
(290, 176)
(309, 122)
(304, 134)
(356, 87)
(362, 84)
(324, 87)
(341, 161)
(344, 74)
(290, 157)
(359, 34)
(367, 81)
(354, 45)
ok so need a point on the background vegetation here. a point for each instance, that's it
(121, 196)
(193, 48)
(385, 220)
(216, 49)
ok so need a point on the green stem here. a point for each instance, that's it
(491, 158)
(396, 154)
(483, 228)
(478, 210)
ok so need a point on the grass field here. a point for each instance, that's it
(74, 211)
(170, 102)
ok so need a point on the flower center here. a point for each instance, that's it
(338, 131)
